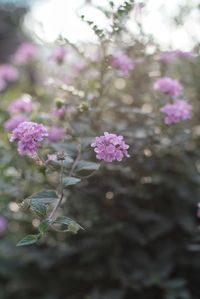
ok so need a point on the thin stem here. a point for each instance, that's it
(61, 192)
(75, 161)
(61, 183)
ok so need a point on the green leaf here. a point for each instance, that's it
(85, 165)
(72, 226)
(44, 225)
(45, 197)
(39, 208)
(70, 181)
(28, 240)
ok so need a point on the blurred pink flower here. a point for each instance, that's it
(168, 86)
(166, 57)
(59, 54)
(22, 104)
(24, 53)
(56, 134)
(7, 73)
(51, 157)
(178, 111)
(13, 122)
(184, 54)
(122, 63)
(59, 112)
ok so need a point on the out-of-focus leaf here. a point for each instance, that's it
(44, 225)
(28, 240)
(70, 181)
(45, 197)
(85, 165)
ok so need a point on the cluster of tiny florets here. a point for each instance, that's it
(22, 104)
(168, 86)
(178, 111)
(28, 135)
(110, 147)
(122, 63)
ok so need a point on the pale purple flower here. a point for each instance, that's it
(8, 73)
(122, 63)
(59, 54)
(59, 112)
(166, 57)
(51, 157)
(184, 54)
(56, 134)
(22, 104)
(25, 52)
(13, 122)
(176, 112)
(168, 86)
(28, 135)
(3, 224)
(110, 147)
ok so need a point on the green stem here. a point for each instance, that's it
(61, 192)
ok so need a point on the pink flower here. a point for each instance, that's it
(13, 122)
(51, 157)
(178, 111)
(28, 135)
(25, 52)
(7, 73)
(22, 104)
(166, 57)
(56, 134)
(59, 54)
(184, 54)
(122, 63)
(168, 86)
(59, 112)
(110, 147)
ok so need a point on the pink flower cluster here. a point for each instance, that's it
(176, 112)
(20, 105)
(14, 121)
(110, 147)
(168, 86)
(25, 52)
(169, 56)
(59, 54)
(122, 63)
(28, 135)
(7, 73)
(55, 134)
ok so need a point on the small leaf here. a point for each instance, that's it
(44, 225)
(39, 208)
(45, 197)
(70, 181)
(85, 165)
(28, 240)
